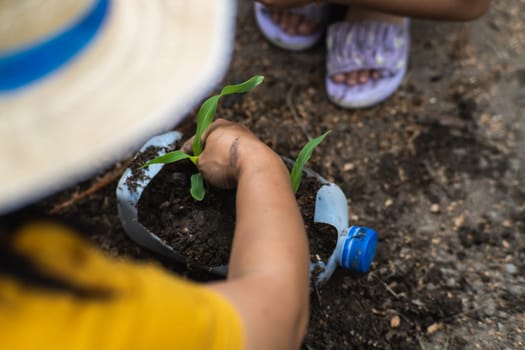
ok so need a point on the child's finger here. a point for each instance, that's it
(186, 146)
(218, 123)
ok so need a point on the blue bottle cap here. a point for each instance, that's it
(359, 249)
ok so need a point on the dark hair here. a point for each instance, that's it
(23, 269)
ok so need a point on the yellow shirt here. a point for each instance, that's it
(148, 308)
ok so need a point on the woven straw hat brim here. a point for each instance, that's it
(150, 63)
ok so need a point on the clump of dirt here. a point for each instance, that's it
(137, 172)
(202, 231)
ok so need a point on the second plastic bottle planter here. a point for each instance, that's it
(354, 250)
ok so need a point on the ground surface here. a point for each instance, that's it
(438, 170)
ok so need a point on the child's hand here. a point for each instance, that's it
(228, 148)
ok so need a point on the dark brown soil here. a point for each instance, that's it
(438, 170)
(202, 231)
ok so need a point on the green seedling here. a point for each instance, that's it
(205, 117)
(304, 156)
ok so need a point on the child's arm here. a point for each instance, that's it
(268, 279)
(453, 10)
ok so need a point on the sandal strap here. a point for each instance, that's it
(363, 45)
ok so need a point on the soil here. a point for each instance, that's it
(438, 170)
(202, 231)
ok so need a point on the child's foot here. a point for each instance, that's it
(293, 29)
(366, 57)
(356, 14)
(292, 23)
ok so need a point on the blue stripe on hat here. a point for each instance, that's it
(22, 66)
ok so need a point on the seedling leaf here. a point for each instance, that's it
(246, 86)
(197, 186)
(305, 154)
(204, 118)
(168, 158)
(207, 111)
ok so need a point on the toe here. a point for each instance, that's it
(285, 21)
(294, 24)
(304, 27)
(351, 78)
(276, 16)
(339, 78)
(363, 76)
(307, 26)
(375, 74)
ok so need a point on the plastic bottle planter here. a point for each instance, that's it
(355, 247)
(128, 198)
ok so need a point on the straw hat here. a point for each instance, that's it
(83, 82)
